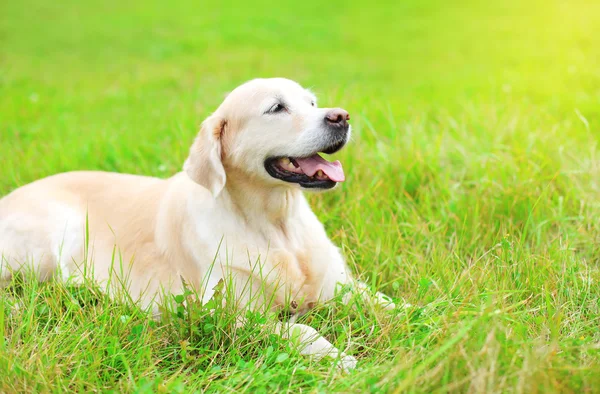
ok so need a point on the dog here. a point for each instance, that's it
(237, 205)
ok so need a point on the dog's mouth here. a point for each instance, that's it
(309, 172)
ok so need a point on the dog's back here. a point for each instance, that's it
(43, 224)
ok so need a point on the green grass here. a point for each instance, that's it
(472, 189)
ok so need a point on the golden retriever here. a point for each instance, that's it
(237, 204)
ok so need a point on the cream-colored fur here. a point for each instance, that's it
(222, 215)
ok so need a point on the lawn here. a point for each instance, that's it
(472, 188)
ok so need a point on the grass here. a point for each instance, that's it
(472, 189)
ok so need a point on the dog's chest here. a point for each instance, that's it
(311, 269)
(297, 259)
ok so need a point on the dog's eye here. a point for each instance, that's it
(312, 103)
(276, 108)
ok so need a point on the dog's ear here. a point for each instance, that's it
(204, 164)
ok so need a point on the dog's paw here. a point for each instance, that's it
(346, 363)
(384, 301)
(312, 344)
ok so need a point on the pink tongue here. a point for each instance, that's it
(310, 165)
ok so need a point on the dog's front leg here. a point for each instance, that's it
(312, 344)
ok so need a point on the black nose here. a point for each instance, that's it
(337, 117)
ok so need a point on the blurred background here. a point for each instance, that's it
(88, 74)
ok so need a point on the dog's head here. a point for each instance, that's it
(272, 131)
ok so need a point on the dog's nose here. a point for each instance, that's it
(337, 117)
